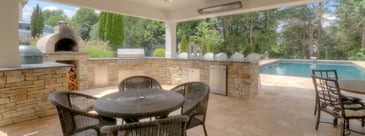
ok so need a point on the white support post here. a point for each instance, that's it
(20, 12)
(9, 45)
(170, 40)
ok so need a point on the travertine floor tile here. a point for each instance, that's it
(284, 107)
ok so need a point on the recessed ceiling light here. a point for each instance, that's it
(169, 0)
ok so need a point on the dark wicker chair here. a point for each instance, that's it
(171, 126)
(138, 82)
(196, 102)
(75, 113)
(332, 74)
(330, 100)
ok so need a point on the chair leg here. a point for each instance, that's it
(362, 122)
(315, 108)
(318, 117)
(205, 130)
(343, 127)
(334, 123)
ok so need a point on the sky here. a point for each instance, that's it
(28, 8)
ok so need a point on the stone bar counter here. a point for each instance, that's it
(241, 77)
(24, 91)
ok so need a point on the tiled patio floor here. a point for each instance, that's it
(284, 107)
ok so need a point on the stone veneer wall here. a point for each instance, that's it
(242, 77)
(112, 75)
(81, 60)
(24, 93)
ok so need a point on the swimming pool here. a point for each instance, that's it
(345, 70)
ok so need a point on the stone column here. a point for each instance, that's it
(9, 45)
(170, 40)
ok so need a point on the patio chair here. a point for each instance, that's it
(332, 74)
(171, 126)
(139, 82)
(75, 113)
(196, 102)
(329, 100)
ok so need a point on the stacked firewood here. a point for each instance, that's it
(72, 79)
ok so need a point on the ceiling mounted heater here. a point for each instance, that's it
(221, 8)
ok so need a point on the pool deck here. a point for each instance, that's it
(263, 62)
(283, 107)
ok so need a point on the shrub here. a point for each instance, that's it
(357, 54)
(98, 49)
(159, 52)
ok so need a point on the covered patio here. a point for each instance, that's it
(283, 107)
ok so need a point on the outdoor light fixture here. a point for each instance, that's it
(221, 8)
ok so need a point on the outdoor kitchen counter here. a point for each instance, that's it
(36, 66)
(199, 59)
(24, 91)
(241, 76)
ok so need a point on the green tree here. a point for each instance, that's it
(184, 44)
(36, 22)
(233, 32)
(111, 29)
(141, 33)
(354, 10)
(82, 22)
(350, 33)
(53, 17)
(101, 25)
(94, 33)
(305, 21)
(207, 35)
(186, 28)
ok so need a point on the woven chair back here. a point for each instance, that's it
(171, 126)
(196, 99)
(139, 82)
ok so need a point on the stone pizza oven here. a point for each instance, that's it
(65, 46)
(64, 39)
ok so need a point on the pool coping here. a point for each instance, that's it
(269, 61)
(357, 64)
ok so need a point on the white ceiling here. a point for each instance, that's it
(177, 10)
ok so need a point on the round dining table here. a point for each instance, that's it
(354, 86)
(133, 105)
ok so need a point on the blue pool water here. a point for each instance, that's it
(345, 70)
